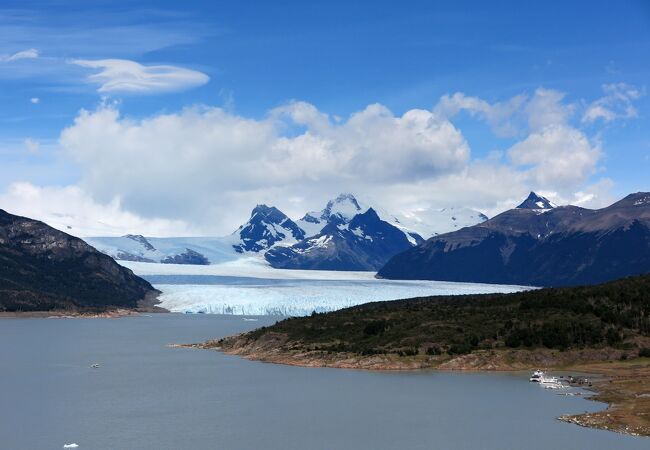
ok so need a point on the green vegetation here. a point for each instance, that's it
(615, 314)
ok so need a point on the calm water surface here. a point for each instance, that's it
(148, 396)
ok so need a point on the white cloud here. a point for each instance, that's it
(31, 53)
(120, 75)
(501, 115)
(558, 156)
(206, 162)
(35, 100)
(32, 145)
(72, 210)
(208, 167)
(617, 103)
(546, 108)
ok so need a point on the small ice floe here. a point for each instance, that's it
(250, 319)
(73, 445)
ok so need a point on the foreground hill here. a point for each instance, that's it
(43, 269)
(606, 317)
(537, 244)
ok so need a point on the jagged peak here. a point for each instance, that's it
(534, 201)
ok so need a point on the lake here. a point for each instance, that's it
(146, 395)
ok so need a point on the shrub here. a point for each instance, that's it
(375, 327)
(644, 352)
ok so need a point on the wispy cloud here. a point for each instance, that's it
(124, 76)
(31, 53)
(617, 103)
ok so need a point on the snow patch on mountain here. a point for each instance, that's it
(267, 226)
(538, 202)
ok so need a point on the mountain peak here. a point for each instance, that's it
(636, 199)
(345, 206)
(266, 227)
(535, 201)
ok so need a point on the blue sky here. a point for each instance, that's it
(250, 58)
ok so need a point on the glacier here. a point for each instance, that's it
(250, 287)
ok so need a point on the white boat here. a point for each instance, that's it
(536, 377)
(552, 383)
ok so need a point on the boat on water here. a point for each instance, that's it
(548, 382)
(536, 377)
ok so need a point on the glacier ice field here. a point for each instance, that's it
(249, 287)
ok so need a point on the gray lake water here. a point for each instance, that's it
(148, 396)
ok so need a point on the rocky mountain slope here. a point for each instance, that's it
(266, 227)
(44, 269)
(538, 244)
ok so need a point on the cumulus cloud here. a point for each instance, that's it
(207, 166)
(201, 159)
(124, 76)
(72, 210)
(31, 53)
(547, 108)
(557, 155)
(617, 103)
(34, 100)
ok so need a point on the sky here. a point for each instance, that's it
(177, 118)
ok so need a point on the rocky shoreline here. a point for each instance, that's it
(149, 304)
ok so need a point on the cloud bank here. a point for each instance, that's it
(202, 169)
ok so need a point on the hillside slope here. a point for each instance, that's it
(545, 246)
(43, 269)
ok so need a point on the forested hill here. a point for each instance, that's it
(615, 314)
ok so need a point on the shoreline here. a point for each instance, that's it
(622, 384)
(149, 304)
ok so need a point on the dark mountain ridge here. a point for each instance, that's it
(43, 269)
(555, 246)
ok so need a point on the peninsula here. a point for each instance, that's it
(602, 329)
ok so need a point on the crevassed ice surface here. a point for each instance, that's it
(249, 287)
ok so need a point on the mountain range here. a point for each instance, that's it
(537, 243)
(42, 268)
(346, 234)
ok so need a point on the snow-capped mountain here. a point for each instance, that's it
(172, 250)
(365, 242)
(347, 234)
(429, 222)
(535, 201)
(266, 227)
(343, 209)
